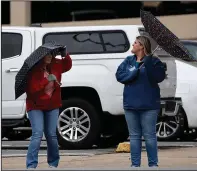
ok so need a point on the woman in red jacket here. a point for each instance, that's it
(43, 103)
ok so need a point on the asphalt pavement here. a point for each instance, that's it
(19, 148)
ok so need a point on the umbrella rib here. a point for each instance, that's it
(159, 35)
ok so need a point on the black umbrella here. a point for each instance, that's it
(164, 37)
(30, 62)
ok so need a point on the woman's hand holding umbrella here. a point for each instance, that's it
(63, 52)
(51, 77)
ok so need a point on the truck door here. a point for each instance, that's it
(16, 47)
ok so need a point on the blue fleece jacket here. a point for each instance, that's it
(141, 90)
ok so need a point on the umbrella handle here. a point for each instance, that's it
(141, 66)
(55, 80)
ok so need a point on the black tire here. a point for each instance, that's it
(3, 133)
(181, 122)
(113, 140)
(94, 131)
(189, 136)
(117, 135)
(18, 135)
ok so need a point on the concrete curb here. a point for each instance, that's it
(16, 147)
(121, 145)
(61, 154)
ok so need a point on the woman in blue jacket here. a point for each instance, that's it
(140, 75)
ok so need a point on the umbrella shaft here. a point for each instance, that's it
(58, 83)
(155, 49)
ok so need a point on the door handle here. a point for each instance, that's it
(12, 70)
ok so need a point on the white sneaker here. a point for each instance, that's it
(29, 168)
(51, 167)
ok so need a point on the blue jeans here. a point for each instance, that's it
(43, 121)
(142, 123)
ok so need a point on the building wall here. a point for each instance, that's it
(184, 26)
(20, 13)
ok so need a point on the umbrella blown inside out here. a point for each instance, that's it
(164, 37)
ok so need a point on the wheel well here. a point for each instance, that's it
(185, 118)
(86, 93)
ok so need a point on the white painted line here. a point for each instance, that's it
(20, 146)
(6, 146)
(61, 154)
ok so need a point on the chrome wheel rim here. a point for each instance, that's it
(167, 127)
(73, 124)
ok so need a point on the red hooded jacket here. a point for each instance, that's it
(37, 99)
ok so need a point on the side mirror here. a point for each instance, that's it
(165, 66)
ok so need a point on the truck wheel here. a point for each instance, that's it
(170, 127)
(18, 135)
(78, 124)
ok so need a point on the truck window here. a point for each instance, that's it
(78, 42)
(115, 42)
(91, 42)
(11, 45)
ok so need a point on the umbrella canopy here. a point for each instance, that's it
(164, 37)
(31, 61)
